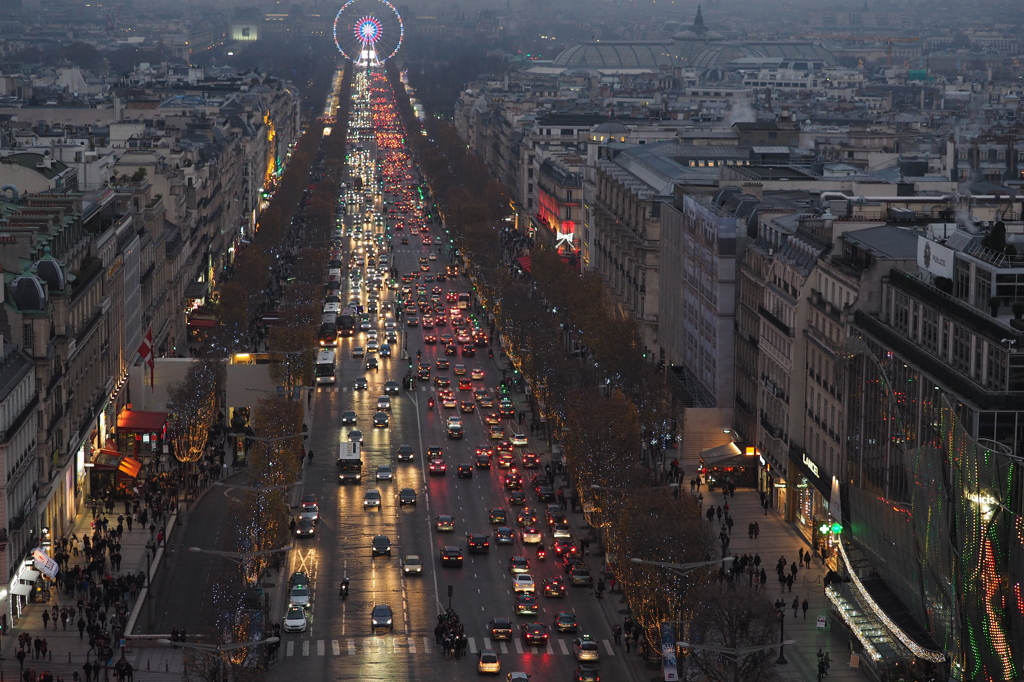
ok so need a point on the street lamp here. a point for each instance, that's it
(681, 569)
(217, 650)
(239, 557)
(624, 490)
(257, 488)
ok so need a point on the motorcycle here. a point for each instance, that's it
(430, 404)
(343, 593)
(541, 553)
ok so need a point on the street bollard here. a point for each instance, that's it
(147, 665)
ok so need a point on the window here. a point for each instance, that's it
(961, 359)
(929, 330)
(26, 337)
(982, 287)
(995, 368)
(961, 279)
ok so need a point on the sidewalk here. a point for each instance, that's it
(67, 651)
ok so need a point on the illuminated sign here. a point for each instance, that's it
(809, 463)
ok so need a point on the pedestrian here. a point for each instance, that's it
(46, 619)
(757, 529)
(21, 658)
(757, 561)
(796, 605)
(627, 644)
(87, 669)
(805, 607)
(617, 633)
(718, 512)
(81, 628)
(782, 581)
(729, 523)
(793, 569)
(764, 578)
(600, 588)
(800, 555)
(825, 661)
(309, 457)
(750, 531)
(821, 670)
(789, 582)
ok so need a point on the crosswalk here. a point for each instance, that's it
(399, 646)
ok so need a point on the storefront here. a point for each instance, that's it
(810, 499)
(727, 464)
(141, 434)
(23, 589)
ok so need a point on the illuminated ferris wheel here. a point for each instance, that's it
(368, 32)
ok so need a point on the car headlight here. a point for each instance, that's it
(388, 622)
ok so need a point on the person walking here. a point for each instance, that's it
(750, 531)
(805, 607)
(789, 582)
(796, 605)
(46, 619)
(617, 633)
(793, 569)
(729, 523)
(825, 661)
(757, 529)
(309, 458)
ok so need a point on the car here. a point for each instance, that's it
(489, 662)
(586, 673)
(585, 648)
(467, 406)
(358, 352)
(531, 460)
(460, 370)
(438, 467)
(476, 374)
(531, 535)
(465, 385)
(385, 350)
(371, 363)
(372, 345)
(516, 497)
(412, 322)
(565, 622)
(384, 403)
(442, 363)
(405, 241)
(506, 460)
(571, 561)
(478, 543)
(384, 473)
(518, 564)
(304, 528)
(513, 481)
(553, 587)
(496, 432)
(310, 511)
(381, 618)
(465, 471)
(504, 535)
(468, 351)
(380, 546)
(355, 436)
(381, 420)
(526, 604)
(360, 384)
(488, 402)
(371, 499)
(546, 493)
(299, 595)
(500, 628)
(523, 582)
(561, 530)
(430, 339)
(534, 633)
(435, 452)
(348, 417)
(444, 523)
(412, 565)
(580, 576)
(295, 619)
(517, 677)
(391, 387)
(483, 461)
(404, 453)
(518, 439)
(406, 496)
(298, 578)
(498, 516)
(455, 432)
(451, 556)
(448, 400)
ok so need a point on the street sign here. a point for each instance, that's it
(821, 621)
(668, 652)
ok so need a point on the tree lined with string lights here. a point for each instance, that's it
(193, 405)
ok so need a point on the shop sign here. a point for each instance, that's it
(44, 563)
(809, 463)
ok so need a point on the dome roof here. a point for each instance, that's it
(698, 31)
(50, 271)
(615, 55)
(611, 127)
(28, 293)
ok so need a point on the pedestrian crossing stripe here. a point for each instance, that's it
(392, 646)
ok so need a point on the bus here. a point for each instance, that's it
(328, 334)
(463, 302)
(324, 372)
(347, 323)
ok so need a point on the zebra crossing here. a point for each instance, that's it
(398, 646)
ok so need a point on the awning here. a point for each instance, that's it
(22, 589)
(201, 323)
(29, 574)
(130, 466)
(524, 262)
(135, 421)
(196, 290)
(715, 455)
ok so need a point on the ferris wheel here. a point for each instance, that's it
(368, 32)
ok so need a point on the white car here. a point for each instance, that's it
(412, 565)
(371, 500)
(372, 334)
(372, 346)
(585, 648)
(299, 595)
(384, 473)
(518, 439)
(454, 420)
(489, 662)
(523, 582)
(295, 619)
(384, 402)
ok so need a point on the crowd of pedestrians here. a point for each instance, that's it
(450, 635)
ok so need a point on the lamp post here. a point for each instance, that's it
(239, 557)
(681, 569)
(218, 650)
(782, 637)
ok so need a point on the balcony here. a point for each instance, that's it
(782, 326)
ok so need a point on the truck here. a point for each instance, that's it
(350, 467)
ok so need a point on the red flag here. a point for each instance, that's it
(146, 353)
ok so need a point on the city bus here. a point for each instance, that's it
(324, 372)
(347, 322)
(463, 302)
(328, 330)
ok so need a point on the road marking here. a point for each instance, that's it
(563, 647)
(487, 643)
(608, 647)
(367, 643)
(352, 647)
(519, 647)
(305, 647)
(290, 649)
(548, 648)
(412, 645)
(335, 648)
(472, 645)
(380, 647)
(319, 647)
(426, 645)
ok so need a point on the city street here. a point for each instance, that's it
(338, 643)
